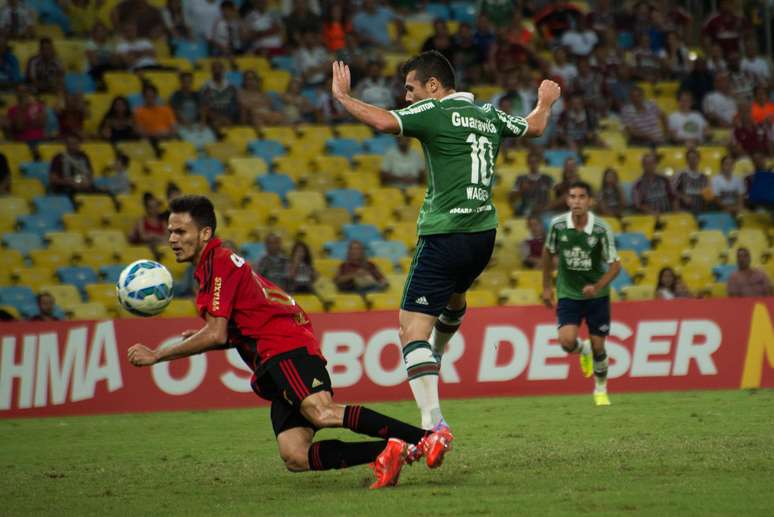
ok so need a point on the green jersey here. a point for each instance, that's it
(583, 254)
(460, 141)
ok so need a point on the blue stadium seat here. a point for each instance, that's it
(23, 242)
(40, 223)
(312, 95)
(280, 184)
(79, 82)
(556, 157)
(463, 12)
(79, 276)
(210, 168)
(111, 272)
(17, 296)
(723, 272)
(50, 13)
(284, 63)
(379, 144)
(253, 251)
(346, 147)
(716, 221)
(362, 232)
(622, 280)
(135, 100)
(191, 50)
(53, 204)
(632, 241)
(438, 11)
(337, 249)
(393, 250)
(234, 77)
(348, 198)
(37, 170)
(266, 149)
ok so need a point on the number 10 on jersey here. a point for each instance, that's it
(481, 159)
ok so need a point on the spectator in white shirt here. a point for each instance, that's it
(227, 31)
(687, 125)
(581, 40)
(135, 52)
(200, 15)
(755, 64)
(719, 105)
(727, 188)
(312, 60)
(402, 166)
(264, 28)
(562, 68)
(374, 88)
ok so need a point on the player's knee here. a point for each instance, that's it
(568, 343)
(321, 415)
(296, 460)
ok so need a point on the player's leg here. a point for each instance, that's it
(429, 286)
(447, 324)
(569, 314)
(598, 321)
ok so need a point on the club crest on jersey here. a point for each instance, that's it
(592, 241)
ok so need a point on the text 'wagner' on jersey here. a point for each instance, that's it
(461, 141)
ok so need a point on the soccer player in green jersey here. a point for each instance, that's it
(457, 222)
(587, 263)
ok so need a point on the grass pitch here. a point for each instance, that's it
(688, 453)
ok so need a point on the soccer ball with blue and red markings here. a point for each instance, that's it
(144, 288)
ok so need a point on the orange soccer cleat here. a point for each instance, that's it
(388, 464)
(436, 445)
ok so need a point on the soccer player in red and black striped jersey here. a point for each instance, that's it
(275, 338)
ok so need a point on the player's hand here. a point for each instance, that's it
(548, 92)
(548, 297)
(341, 82)
(589, 291)
(141, 355)
(188, 333)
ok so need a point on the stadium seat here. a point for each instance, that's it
(12, 207)
(678, 222)
(346, 147)
(97, 205)
(367, 163)
(111, 272)
(519, 296)
(670, 257)
(39, 223)
(279, 184)
(528, 279)
(51, 258)
(17, 296)
(191, 50)
(637, 292)
(633, 241)
(695, 278)
(622, 280)
(104, 293)
(709, 239)
(336, 249)
(131, 254)
(376, 215)
(33, 277)
(253, 251)
(333, 216)
(267, 149)
(349, 199)
(122, 83)
(22, 242)
(365, 233)
(79, 82)
(348, 303)
(750, 237)
(630, 261)
(716, 221)
(384, 264)
(386, 301)
(480, 298)
(493, 280)
(723, 272)
(310, 303)
(65, 295)
(305, 201)
(379, 144)
(644, 224)
(206, 166)
(248, 167)
(179, 308)
(405, 232)
(27, 188)
(139, 151)
(357, 180)
(79, 276)
(557, 157)
(107, 239)
(36, 170)
(672, 239)
(394, 250)
(88, 311)
(239, 135)
(53, 204)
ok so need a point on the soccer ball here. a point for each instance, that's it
(144, 288)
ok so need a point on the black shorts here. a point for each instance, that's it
(445, 264)
(286, 380)
(596, 312)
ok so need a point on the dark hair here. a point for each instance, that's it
(431, 64)
(661, 274)
(147, 196)
(225, 4)
(583, 185)
(122, 159)
(42, 294)
(198, 207)
(172, 187)
(112, 110)
(148, 86)
(307, 252)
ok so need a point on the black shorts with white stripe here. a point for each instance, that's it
(286, 380)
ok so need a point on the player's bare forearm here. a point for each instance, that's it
(537, 121)
(609, 275)
(213, 336)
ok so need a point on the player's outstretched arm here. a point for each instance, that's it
(537, 121)
(548, 269)
(612, 272)
(211, 336)
(378, 118)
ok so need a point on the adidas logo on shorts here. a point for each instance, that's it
(422, 300)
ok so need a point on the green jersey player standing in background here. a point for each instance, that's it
(457, 222)
(587, 263)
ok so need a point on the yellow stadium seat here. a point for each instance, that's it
(33, 277)
(485, 92)
(696, 278)
(179, 308)
(240, 136)
(249, 168)
(385, 196)
(178, 63)
(678, 222)
(358, 180)
(167, 83)
(517, 228)
(254, 63)
(131, 254)
(95, 204)
(750, 237)
(291, 219)
(103, 292)
(292, 166)
(709, 239)
(519, 297)
(355, 131)
(101, 155)
(644, 224)
(647, 276)
(95, 258)
(493, 280)
(276, 81)
(480, 298)
(167, 257)
(715, 290)
(395, 282)
(405, 232)
(347, 303)
(178, 150)
(88, 311)
(236, 188)
(310, 303)
(316, 235)
(194, 184)
(384, 264)
(305, 201)
(670, 257)
(327, 267)
(65, 295)
(283, 134)
(377, 215)
(528, 279)
(122, 83)
(246, 216)
(12, 207)
(601, 157)
(224, 151)
(332, 216)
(261, 201)
(630, 261)
(761, 220)
(393, 60)
(16, 154)
(140, 151)
(51, 258)
(325, 289)
(387, 301)
(48, 150)
(79, 223)
(121, 221)
(27, 188)
(637, 292)
(407, 214)
(672, 239)
(368, 163)
(98, 105)
(10, 259)
(107, 239)
(10, 309)
(330, 164)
